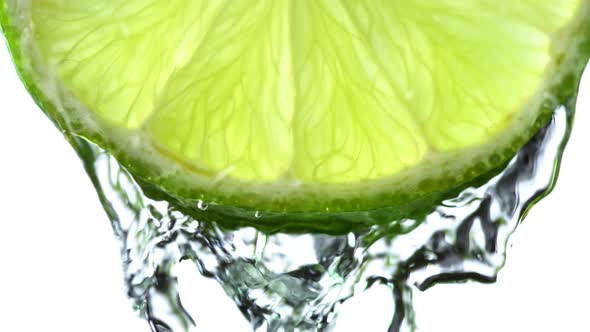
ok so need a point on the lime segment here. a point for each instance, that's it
(230, 108)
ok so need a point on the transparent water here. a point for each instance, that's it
(286, 282)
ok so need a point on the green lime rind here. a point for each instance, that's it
(314, 213)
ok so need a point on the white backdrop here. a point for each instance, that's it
(60, 267)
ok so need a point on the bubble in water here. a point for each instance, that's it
(202, 205)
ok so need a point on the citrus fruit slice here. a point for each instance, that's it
(302, 114)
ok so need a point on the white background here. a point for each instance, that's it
(60, 267)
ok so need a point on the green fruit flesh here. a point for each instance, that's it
(316, 112)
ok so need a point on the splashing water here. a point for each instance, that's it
(286, 282)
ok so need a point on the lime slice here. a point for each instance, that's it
(302, 114)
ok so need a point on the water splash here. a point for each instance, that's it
(286, 282)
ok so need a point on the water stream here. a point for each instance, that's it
(287, 282)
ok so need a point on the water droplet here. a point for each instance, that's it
(351, 238)
(407, 224)
(257, 214)
(202, 205)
